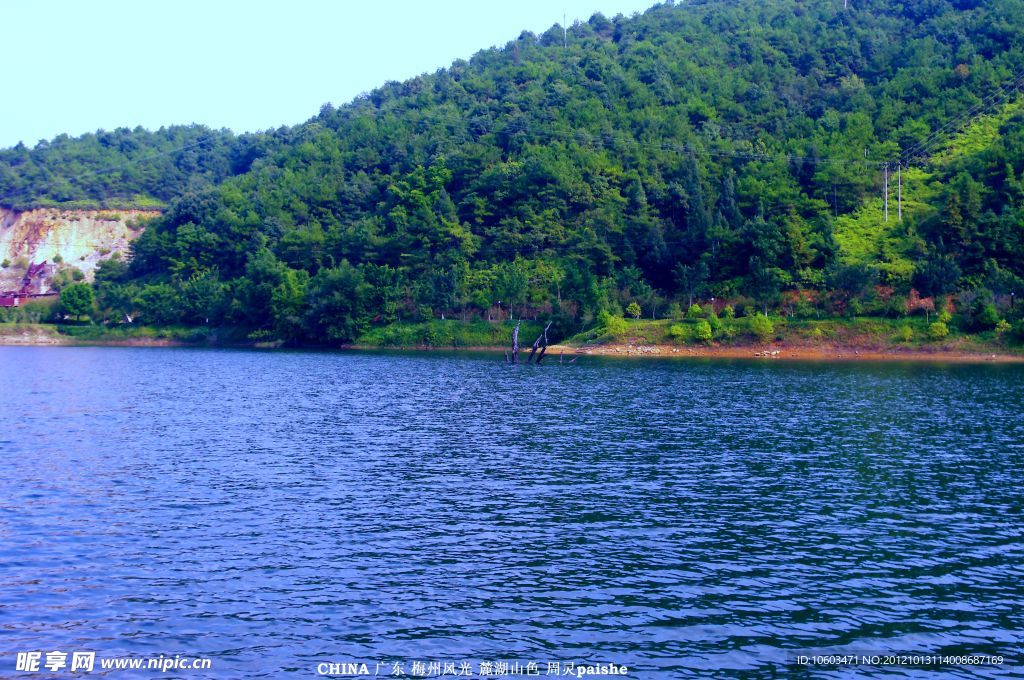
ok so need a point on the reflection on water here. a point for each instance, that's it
(276, 510)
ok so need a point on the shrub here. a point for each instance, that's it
(439, 334)
(905, 334)
(987, 316)
(679, 332)
(694, 312)
(633, 310)
(803, 309)
(715, 323)
(1018, 330)
(702, 331)
(938, 330)
(728, 312)
(613, 325)
(675, 311)
(762, 328)
(1002, 326)
(944, 317)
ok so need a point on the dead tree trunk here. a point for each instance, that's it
(536, 346)
(515, 343)
(544, 348)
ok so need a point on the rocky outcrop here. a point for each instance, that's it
(80, 238)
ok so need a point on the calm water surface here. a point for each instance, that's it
(277, 510)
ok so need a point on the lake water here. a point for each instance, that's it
(278, 510)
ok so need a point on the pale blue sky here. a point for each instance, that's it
(76, 66)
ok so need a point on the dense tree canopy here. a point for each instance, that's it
(125, 168)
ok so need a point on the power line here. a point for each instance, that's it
(924, 147)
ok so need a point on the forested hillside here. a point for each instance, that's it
(728, 150)
(124, 168)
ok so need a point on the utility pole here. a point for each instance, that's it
(899, 191)
(886, 167)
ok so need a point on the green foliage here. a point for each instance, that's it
(65, 276)
(680, 332)
(728, 312)
(124, 168)
(987, 317)
(158, 304)
(544, 180)
(694, 312)
(614, 326)
(938, 331)
(905, 334)
(761, 327)
(1018, 330)
(702, 331)
(338, 303)
(77, 299)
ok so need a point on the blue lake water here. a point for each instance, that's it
(278, 510)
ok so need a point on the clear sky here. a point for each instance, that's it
(76, 66)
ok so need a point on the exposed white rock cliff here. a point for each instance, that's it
(81, 238)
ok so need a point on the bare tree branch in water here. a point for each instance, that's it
(515, 343)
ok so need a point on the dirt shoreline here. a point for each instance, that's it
(792, 352)
(832, 353)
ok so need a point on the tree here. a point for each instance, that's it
(633, 310)
(158, 303)
(337, 303)
(938, 275)
(692, 280)
(77, 299)
(766, 283)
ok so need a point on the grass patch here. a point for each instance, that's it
(450, 333)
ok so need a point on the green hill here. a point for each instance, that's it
(726, 150)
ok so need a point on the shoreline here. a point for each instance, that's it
(43, 336)
(783, 352)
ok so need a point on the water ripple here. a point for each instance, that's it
(275, 510)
